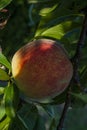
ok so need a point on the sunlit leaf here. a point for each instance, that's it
(1, 90)
(3, 75)
(37, 1)
(5, 124)
(47, 10)
(60, 30)
(60, 19)
(4, 61)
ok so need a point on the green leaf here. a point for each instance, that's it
(53, 19)
(2, 109)
(28, 116)
(37, 1)
(4, 3)
(50, 110)
(80, 96)
(3, 75)
(60, 98)
(11, 100)
(47, 10)
(5, 124)
(40, 123)
(4, 61)
(52, 125)
(2, 90)
(21, 122)
(60, 30)
(60, 19)
(76, 119)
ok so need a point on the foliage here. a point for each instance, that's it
(33, 19)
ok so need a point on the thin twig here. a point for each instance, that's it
(77, 56)
(75, 60)
(63, 115)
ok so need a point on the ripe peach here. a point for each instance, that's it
(42, 69)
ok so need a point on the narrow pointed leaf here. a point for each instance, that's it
(11, 101)
(47, 10)
(37, 1)
(5, 124)
(4, 61)
(2, 109)
(80, 96)
(28, 116)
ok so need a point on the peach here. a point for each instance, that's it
(42, 69)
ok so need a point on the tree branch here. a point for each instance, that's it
(77, 56)
(75, 61)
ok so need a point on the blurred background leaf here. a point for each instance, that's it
(4, 3)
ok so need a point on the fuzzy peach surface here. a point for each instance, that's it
(42, 69)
